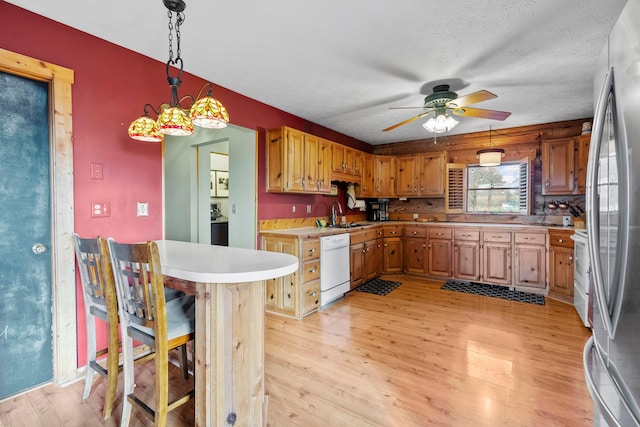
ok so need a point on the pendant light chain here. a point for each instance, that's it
(179, 22)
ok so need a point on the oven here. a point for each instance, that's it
(334, 267)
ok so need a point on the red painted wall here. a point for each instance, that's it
(111, 86)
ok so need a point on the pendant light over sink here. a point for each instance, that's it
(491, 156)
(174, 118)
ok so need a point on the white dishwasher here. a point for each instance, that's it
(334, 267)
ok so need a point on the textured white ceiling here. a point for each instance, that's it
(343, 63)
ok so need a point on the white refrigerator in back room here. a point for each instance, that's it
(612, 354)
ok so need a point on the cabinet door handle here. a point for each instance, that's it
(415, 233)
(313, 294)
(313, 270)
(440, 234)
(560, 240)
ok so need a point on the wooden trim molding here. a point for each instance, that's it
(63, 278)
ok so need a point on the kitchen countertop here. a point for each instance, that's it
(308, 232)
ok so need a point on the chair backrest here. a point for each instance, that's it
(139, 285)
(96, 276)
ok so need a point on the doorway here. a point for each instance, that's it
(62, 304)
(187, 185)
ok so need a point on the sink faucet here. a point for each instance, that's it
(334, 215)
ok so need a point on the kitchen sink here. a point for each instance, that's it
(350, 225)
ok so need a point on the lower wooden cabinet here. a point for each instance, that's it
(439, 256)
(530, 264)
(561, 264)
(366, 249)
(496, 254)
(296, 294)
(416, 250)
(466, 254)
(357, 264)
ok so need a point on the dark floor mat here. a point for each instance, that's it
(378, 287)
(494, 291)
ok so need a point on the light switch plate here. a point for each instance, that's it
(143, 209)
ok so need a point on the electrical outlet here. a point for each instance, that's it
(143, 209)
(415, 216)
(100, 209)
(309, 209)
(293, 208)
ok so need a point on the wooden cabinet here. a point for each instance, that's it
(367, 188)
(357, 264)
(407, 176)
(466, 254)
(415, 249)
(365, 245)
(373, 259)
(439, 256)
(346, 161)
(496, 254)
(421, 175)
(297, 162)
(298, 293)
(385, 170)
(432, 174)
(582, 157)
(530, 259)
(561, 264)
(558, 166)
(392, 246)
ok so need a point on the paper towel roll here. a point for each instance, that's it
(360, 204)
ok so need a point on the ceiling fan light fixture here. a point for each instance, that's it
(441, 123)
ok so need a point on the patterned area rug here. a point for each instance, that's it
(378, 287)
(495, 291)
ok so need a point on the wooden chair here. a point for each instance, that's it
(100, 302)
(149, 319)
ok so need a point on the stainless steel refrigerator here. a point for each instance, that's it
(612, 354)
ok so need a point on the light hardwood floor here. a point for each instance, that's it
(419, 356)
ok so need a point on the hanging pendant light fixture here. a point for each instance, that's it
(491, 156)
(173, 118)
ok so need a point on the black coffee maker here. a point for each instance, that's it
(377, 210)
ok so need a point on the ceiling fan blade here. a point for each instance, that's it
(397, 125)
(472, 98)
(483, 114)
(408, 108)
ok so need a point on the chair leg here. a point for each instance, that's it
(162, 387)
(129, 380)
(184, 362)
(112, 369)
(91, 354)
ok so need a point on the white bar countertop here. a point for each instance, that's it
(198, 262)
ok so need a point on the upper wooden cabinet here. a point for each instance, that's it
(297, 162)
(582, 157)
(564, 165)
(385, 172)
(367, 188)
(421, 175)
(346, 160)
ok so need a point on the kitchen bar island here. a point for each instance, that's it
(229, 347)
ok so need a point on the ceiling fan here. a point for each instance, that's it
(443, 100)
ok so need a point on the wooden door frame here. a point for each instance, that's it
(63, 278)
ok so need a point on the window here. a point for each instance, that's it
(481, 189)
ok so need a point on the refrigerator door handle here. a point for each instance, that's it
(598, 400)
